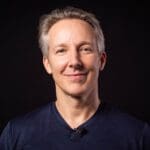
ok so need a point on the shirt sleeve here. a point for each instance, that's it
(146, 137)
(6, 139)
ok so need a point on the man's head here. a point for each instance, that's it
(73, 51)
(47, 21)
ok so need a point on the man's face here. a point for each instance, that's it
(73, 58)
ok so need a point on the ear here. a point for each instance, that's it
(47, 65)
(103, 58)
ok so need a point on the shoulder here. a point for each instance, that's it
(25, 127)
(122, 121)
(29, 120)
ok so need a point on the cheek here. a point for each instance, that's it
(58, 64)
(93, 63)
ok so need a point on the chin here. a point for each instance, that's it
(76, 93)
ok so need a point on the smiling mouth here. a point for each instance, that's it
(76, 76)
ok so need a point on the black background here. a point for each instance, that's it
(25, 85)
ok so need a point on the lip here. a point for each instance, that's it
(76, 76)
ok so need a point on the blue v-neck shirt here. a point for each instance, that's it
(45, 129)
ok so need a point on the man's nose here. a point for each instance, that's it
(75, 59)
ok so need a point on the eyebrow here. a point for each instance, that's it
(78, 45)
(85, 43)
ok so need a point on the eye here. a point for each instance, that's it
(60, 51)
(86, 49)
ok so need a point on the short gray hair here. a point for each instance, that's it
(48, 20)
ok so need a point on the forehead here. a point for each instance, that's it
(71, 30)
(70, 22)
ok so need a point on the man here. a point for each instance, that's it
(72, 44)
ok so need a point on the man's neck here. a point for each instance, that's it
(76, 111)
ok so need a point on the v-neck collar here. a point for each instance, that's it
(86, 124)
